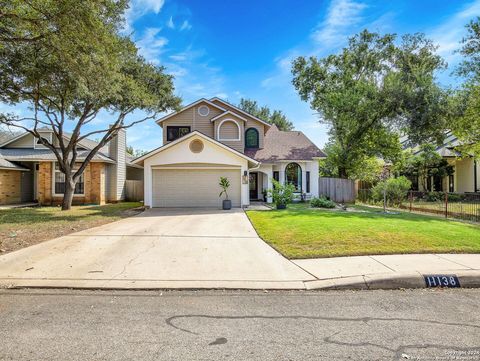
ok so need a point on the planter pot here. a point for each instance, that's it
(281, 206)
(227, 204)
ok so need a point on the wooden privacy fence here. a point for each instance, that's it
(133, 190)
(337, 189)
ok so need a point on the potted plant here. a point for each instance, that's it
(225, 184)
(282, 194)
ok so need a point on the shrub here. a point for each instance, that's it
(396, 189)
(321, 202)
(282, 194)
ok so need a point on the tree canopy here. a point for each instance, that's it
(467, 125)
(373, 90)
(67, 60)
(265, 113)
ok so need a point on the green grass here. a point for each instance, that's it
(302, 232)
(21, 227)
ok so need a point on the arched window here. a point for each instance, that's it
(293, 175)
(251, 138)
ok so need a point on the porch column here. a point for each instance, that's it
(304, 178)
(269, 175)
(281, 173)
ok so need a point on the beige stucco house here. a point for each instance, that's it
(209, 139)
(466, 176)
(29, 172)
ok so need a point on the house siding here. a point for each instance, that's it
(10, 191)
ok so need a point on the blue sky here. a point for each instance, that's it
(234, 49)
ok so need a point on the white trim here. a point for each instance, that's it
(187, 136)
(203, 106)
(21, 159)
(242, 111)
(231, 140)
(41, 146)
(228, 112)
(157, 167)
(17, 169)
(189, 106)
(61, 195)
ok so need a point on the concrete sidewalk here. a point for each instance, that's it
(389, 271)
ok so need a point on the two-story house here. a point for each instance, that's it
(209, 139)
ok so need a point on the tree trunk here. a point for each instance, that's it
(68, 195)
(342, 172)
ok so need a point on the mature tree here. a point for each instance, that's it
(263, 112)
(368, 169)
(371, 91)
(428, 163)
(77, 68)
(467, 125)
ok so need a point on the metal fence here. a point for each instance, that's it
(337, 189)
(464, 206)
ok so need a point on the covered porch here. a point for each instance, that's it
(301, 174)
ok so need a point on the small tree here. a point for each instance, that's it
(224, 184)
(391, 191)
(74, 71)
(282, 194)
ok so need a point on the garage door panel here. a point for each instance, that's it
(193, 187)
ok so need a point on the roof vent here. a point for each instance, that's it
(196, 146)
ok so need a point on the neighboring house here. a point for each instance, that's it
(29, 171)
(466, 176)
(209, 139)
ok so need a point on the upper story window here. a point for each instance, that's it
(175, 132)
(251, 138)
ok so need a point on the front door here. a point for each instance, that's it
(253, 185)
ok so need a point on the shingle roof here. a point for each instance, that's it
(30, 154)
(285, 145)
(5, 164)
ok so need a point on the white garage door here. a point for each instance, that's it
(193, 187)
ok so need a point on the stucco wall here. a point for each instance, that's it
(181, 153)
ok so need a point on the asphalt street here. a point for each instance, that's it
(240, 325)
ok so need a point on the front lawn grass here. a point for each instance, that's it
(23, 227)
(303, 232)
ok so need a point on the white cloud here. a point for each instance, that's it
(341, 15)
(185, 26)
(151, 46)
(139, 8)
(449, 34)
(170, 23)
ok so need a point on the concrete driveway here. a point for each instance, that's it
(160, 248)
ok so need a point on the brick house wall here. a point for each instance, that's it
(10, 191)
(94, 183)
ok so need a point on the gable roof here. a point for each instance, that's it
(227, 113)
(187, 136)
(31, 154)
(241, 111)
(285, 145)
(28, 154)
(188, 107)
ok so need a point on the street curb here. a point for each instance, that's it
(467, 278)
